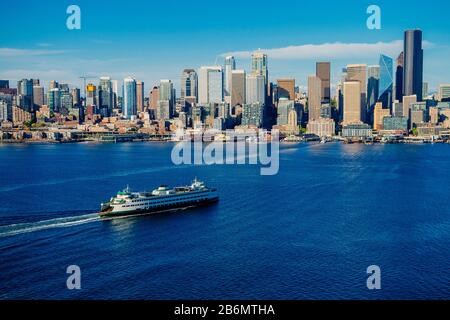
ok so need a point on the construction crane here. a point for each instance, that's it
(85, 78)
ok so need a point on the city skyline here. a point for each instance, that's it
(293, 47)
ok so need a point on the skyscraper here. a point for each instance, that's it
(129, 98)
(154, 98)
(105, 96)
(230, 65)
(314, 97)
(25, 93)
(4, 84)
(91, 95)
(413, 64)
(115, 90)
(358, 72)
(373, 86)
(285, 107)
(38, 96)
(140, 96)
(424, 90)
(386, 81)
(237, 88)
(188, 85)
(407, 102)
(210, 85)
(166, 97)
(54, 99)
(260, 65)
(286, 88)
(352, 102)
(76, 95)
(255, 89)
(323, 72)
(399, 78)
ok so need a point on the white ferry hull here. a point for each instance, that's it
(166, 206)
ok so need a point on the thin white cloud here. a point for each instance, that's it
(337, 50)
(14, 52)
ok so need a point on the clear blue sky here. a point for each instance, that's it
(153, 40)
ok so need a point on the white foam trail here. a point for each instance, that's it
(15, 229)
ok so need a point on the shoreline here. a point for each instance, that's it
(419, 141)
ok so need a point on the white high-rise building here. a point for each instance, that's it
(230, 65)
(210, 85)
(255, 89)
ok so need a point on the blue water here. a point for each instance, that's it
(309, 232)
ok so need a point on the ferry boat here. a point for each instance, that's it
(161, 199)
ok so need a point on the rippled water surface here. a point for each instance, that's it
(309, 232)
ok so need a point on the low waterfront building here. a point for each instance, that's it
(322, 127)
(429, 130)
(358, 131)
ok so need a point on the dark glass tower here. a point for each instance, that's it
(399, 78)
(386, 81)
(413, 64)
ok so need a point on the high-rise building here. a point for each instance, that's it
(76, 95)
(115, 90)
(54, 99)
(210, 85)
(407, 102)
(284, 109)
(166, 90)
(140, 96)
(314, 97)
(323, 72)
(252, 115)
(255, 89)
(286, 88)
(424, 90)
(105, 96)
(230, 65)
(444, 92)
(4, 84)
(373, 86)
(379, 115)
(386, 81)
(25, 93)
(358, 72)
(399, 78)
(413, 64)
(91, 95)
(164, 110)
(188, 86)
(237, 88)
(260, 65)
(352, 102)
(38, 96)
(129, 98)
(166, 99)
(154, 98)
(53, 85)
